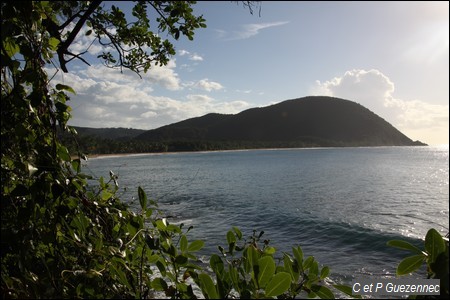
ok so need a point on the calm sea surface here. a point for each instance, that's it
(341, 205)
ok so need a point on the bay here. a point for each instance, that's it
(341, 205)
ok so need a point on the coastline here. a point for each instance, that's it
(108, 155)
(100, 156)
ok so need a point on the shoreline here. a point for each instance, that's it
(99, 156)
(108, 155)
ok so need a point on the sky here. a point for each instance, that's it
(391, 57)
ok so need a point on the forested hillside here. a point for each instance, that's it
(315, 121)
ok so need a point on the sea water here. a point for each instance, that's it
(341, 205)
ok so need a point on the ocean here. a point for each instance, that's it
(341, 205)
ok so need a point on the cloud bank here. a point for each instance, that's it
(108, 98)
(415, 118)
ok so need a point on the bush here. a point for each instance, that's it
(434, 256)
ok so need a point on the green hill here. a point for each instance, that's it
(109, 133)
(310, 121)
(304, 122)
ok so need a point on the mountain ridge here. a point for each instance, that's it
(318, 120)
(313, 121)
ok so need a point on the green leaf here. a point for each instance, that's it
(410, 264)
(216, 264)
(278, 284)
(288, 266)
(11, 47)
(237, 232)
(60, 87)
(324, 272)
(142, 198)
(122, 277)
(196, 245)
(207, 286)
(314, 270)
(161, 224)
(266, 270)
(308, 262)
(183, 243)
(269, 250)
(159, 284)
(231, 238)
(251, 255)
(174, 228)
(346, 290)
(76, 165)
(298, 254)
(53, 43)
(171, 250)
(63, 153)
(181, 259)
(105, 195)
(404, 245)
(434, 244)
(152, 258)
(161, 265)
(322, 291)
(234, 275)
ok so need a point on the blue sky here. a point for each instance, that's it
(391, 57)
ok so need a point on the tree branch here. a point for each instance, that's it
(63, 47)
(77, 56)
(161, 14)
(63, 25)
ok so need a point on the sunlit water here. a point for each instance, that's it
(341, 205)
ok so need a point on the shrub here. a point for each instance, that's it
(434, 256)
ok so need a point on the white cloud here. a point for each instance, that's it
(106, 98)
(417, 119)
(201, 99)
(164, 76)
(196, 57)
(247, 31)
(182, 52)
(162, 111)
(422, 120)
(80, 84)
(193, 56)
(234, 107)
(100, 72)
(207, 85)
(84, 42)
(198, 105)
(370, 88)
(149, 114)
